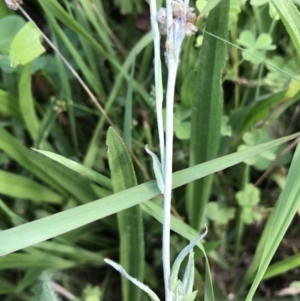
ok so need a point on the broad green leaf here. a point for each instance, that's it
(290, 17)
(130, 221)
(26, 46)
(207, 108)
(43, 229)
(9, 27)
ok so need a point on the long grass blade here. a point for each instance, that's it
(278, 223)
(129, 221)
(207, 108)
(40, 230)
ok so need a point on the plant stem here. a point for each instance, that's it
(168, 174)
(158, 80)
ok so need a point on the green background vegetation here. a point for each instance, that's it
(75, 201)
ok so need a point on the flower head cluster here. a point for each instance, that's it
(180, 16)
(13, 4)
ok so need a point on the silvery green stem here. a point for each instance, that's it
(175, 36)
(158, 80)
(168, 175)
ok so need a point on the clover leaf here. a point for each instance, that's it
(272, 10)
(249, 197)
(220, 214)
(226, 129)
(255, 49)
(254, 137)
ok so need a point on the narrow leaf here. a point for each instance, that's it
(278, 223)
(142, 286)
(130, 220)
(290, 17)
(45, 228)
(207, 107)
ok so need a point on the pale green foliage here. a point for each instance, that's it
(226, 129)
(182, 290)
(220, 214)
(257, 136)
(200, 4)
(274, 80)
(235, 9)
(248, 199)
(26, 45)
(92, 293)
(157, 168)
(255, 47)
(272, 11)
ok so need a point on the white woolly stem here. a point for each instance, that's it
(158, 80)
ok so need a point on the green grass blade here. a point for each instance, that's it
(290, 17)
(52, 8)
(59, 178)
(281, 218)
(88, 75)
(92, 15)
(9, 105)
(81, 169)
(209, 290)
(207, 108)
(27, 189)
(40, 230)
(127, 128)
(14, 219)
(92, 149)
(46, 125)
(37, 259)
(66, 91)
(27, 103)
(283, 266)
(129, 221)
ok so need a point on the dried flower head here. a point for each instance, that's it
(179, 19)
(190, 29)
(191, 15)
(177, 8)
(13, 4)
(161, 16)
